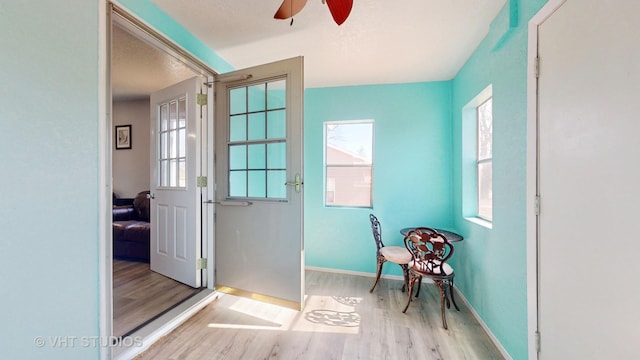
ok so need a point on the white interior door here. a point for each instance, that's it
(589, 90)
(259, 240)
(175, 197)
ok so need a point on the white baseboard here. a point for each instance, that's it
(459, 295)
(493, 338)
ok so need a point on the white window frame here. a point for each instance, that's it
(470, 183)
(483, 161)
(332, 184)
(172, 145)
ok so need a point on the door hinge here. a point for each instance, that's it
(537, 67)
(201, 263)
(537, 341)
(537, 205)
(201, 181)
(202, 99)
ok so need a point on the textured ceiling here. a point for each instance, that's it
(381, 42)
(138, 69)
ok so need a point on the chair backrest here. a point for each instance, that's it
(376, 230)
(430, 249)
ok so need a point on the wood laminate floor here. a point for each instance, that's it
(140, 294)
(340, 320)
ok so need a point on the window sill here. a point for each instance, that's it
(481, 222)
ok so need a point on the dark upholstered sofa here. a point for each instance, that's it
(131, 229)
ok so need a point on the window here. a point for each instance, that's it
(257, 141)
(348, 154)
(484, 116)
(172, 159)
(477, 159)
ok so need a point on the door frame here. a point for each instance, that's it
(173, 318)
(532, 174)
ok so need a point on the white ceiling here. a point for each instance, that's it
(382, 41)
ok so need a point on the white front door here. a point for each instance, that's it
(175, 197)
(259, 240)
(589, 90)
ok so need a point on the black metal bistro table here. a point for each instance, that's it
(451, 236)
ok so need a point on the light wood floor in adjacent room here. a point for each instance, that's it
(340, 320)
(140, 294)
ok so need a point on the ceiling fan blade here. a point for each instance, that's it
(289, 8)
(340, 9)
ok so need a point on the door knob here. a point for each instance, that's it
(297, 183)
(151, 196)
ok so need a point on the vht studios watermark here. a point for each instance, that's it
(87, 341)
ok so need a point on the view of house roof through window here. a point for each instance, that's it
(349, 163)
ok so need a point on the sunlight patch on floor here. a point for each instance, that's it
(328, 314)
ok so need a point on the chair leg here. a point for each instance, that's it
(380, 260)
(453, 300)
(443, 297)
(405, 273)
(419, 287)
(412, 281)
(446, 299)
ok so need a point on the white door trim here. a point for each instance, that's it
(105, 232)
(532, 174)
(208, 169)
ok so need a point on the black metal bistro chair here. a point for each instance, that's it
(430, 251)
(394, 254)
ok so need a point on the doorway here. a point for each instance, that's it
(288, 182)
(139, 68)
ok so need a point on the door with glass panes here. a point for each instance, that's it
(259, 250)
(175, 241)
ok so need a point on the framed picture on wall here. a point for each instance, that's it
(123, 137)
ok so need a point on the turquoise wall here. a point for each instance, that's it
(411, 176)
(491, 263)
(49, 182)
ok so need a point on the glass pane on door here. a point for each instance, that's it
(257, 141)
(172, 140)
